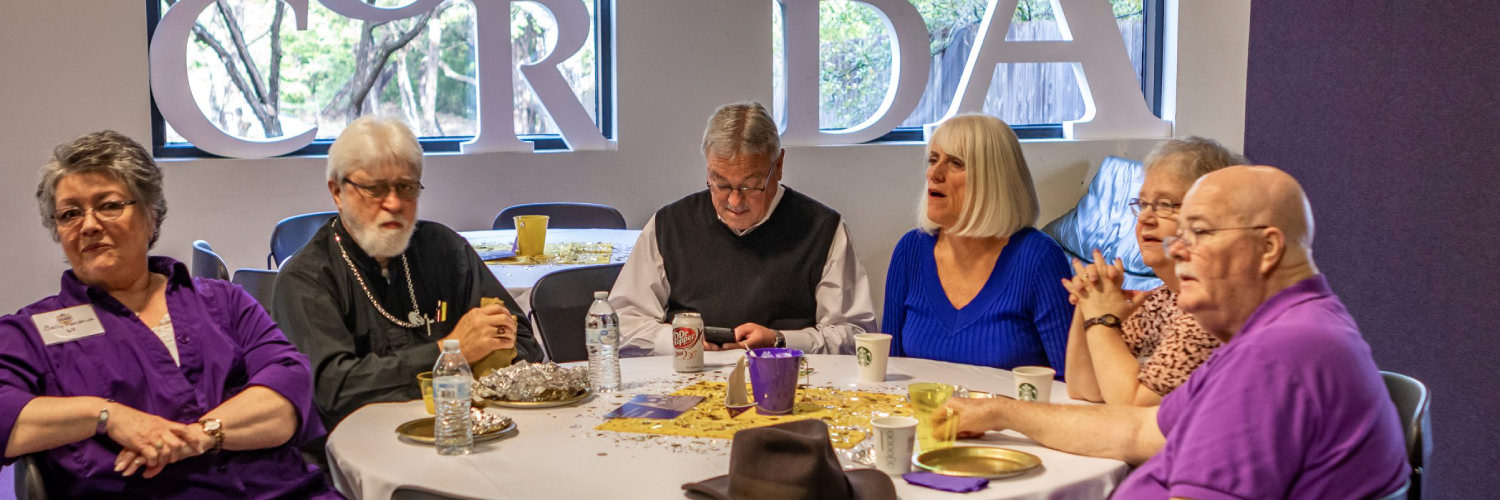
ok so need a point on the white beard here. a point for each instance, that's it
(378, 242)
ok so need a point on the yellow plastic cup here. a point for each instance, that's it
(531, 234)
(424, 380)
(926, 398)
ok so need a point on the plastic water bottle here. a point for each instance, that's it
(451, 379)
(602, 334)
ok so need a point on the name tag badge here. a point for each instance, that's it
(67, 325)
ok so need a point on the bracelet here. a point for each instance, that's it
(103, 422)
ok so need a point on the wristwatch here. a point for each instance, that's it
(215, 429)
(103, 424)
(780, 339)
(1108, 320)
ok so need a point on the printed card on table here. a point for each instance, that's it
(653, 406)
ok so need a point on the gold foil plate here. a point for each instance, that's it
(985, 395)
(421, 431)
(540, 404)
(978, 461)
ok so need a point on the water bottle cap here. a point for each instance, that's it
(601, 294)
(450, 345)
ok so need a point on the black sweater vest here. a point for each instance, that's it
(768, 277)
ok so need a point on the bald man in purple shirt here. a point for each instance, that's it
(1292, 406)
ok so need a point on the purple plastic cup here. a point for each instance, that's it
(773, 377)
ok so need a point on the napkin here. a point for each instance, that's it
(946, 483)
(736, 397)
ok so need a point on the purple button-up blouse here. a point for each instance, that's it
(226, 343)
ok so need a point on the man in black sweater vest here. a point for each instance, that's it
(747, 253)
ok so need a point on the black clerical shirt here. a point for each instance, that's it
(358, 356)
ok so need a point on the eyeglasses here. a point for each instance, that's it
(721, 189)
(379, 190)
(1189, 237)
(104, 211)
(1161, 208)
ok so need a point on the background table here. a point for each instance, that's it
(556, 453)
(518, 279)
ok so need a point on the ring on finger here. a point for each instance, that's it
(160, 445)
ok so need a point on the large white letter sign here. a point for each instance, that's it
(358, 9)
(174, 94)
(909, 65)
(497, 129)
(1114, 106)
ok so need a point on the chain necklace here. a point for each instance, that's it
(414, 319)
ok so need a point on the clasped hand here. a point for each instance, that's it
(1096, 288)
(152, 442)
(483, 330)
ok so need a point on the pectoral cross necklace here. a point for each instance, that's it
(414, 319)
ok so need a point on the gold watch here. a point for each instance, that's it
(215, 429)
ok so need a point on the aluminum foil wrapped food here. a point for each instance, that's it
(484, 422)
(533, 382)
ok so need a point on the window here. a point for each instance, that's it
(255, 76)
(1035, 98)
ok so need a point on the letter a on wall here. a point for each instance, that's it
(1114, 105)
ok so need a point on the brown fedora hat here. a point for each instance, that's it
(791, 461)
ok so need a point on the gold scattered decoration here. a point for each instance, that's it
(847, 414)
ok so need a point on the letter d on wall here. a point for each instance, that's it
(174, 94)
(910, 62)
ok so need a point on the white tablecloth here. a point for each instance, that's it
(519, 279)
(556, 453)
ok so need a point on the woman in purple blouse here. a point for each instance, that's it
(137, 380)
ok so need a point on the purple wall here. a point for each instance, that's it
(1389, 115)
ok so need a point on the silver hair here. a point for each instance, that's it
(115, 156)
(1000, 196)
(371, 141)
(741, 128)
(1197, 156)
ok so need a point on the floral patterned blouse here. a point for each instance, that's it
(1167, 340)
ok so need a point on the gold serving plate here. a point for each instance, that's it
(540, 404)
(985, 395)
(422, 431)
(978, 461)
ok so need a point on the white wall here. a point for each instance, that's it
(75, 66)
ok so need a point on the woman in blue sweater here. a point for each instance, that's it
(975, 283)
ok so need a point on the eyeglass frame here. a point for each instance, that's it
(744, 190)
(98, 210)
(386, 188)
(1189, 243)
(1138, 205)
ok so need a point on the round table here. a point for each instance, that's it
(518, 279)
(556, 453)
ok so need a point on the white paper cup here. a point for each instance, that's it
(871, 352)
(1033, 383)
(894, 439)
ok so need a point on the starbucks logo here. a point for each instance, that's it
(862, 354)
(1026, 392)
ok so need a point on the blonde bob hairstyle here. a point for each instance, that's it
(372, 141)
(1000, 198)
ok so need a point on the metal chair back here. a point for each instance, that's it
(564, 215)
(559, 305)
(207, 263)
(1412, 402)
(259, 283)
(292, 233)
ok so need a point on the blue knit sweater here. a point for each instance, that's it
(1019, 318)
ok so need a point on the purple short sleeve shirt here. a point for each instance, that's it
(226, 343)
(1292, 407)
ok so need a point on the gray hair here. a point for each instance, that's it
(1197, 156)
(115, 156)
(371, 141)
(741, 128)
